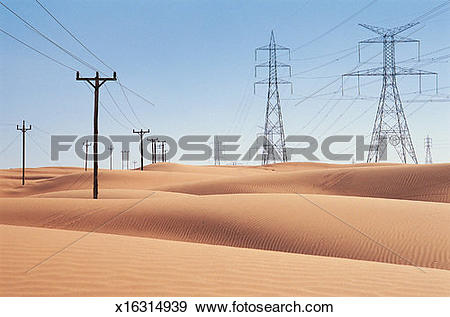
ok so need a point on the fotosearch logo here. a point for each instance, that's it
(225, 147)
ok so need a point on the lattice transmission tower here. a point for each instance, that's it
(390, 123)
(428, 144)
(274, 147)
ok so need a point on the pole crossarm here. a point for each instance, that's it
(92, 80)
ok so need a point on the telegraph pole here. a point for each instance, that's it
(141, 135)
(216, 151)
(428, 143)
(96, 82)
(153, 140)
(134, 164)
(23, 129)
(125, 157)
(110, 148)
(163, 151)
(86, 144)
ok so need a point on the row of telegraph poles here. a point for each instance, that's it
(126, 154)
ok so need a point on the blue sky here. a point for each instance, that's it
(195, 61)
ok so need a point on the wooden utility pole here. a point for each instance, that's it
(96, 82)
(163, 151)
(141, 134)
(86, 150)
(24, 130)
(154, 142)
(110, 148)
(125, 157)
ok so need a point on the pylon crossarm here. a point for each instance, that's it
(376, 29)
(399, 29)
(411, 71)
(279, 64)
(388, 32)
(377, 39)
(378, 71)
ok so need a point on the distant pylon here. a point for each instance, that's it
(428, 144)
(390, 123)
(274, 147)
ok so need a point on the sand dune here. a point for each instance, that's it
(292, 229)
(417, 231)
(412, 182)
(111, 265)
(427, 183)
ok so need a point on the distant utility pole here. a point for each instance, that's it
(86, 144)
(110, 148)
(134, 164)
(141, 135)
(154, 141)
(96, 82)
(216, 151)
(274, 147)
(24, 130)
(428, 144)
(390, 121)
(163, 151)
(126, 158)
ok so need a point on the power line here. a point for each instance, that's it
(6, 148)
(80, 60)
(117, 106)
(95, 56)
(37, 51)
(336, 26)
(131, 107)
(106, 109)
(431, 13)
(135, 93)
(72, 35)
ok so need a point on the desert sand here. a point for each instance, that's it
(292, 229)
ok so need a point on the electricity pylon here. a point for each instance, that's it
(274, 147)
(390, 122)
(428, 143)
